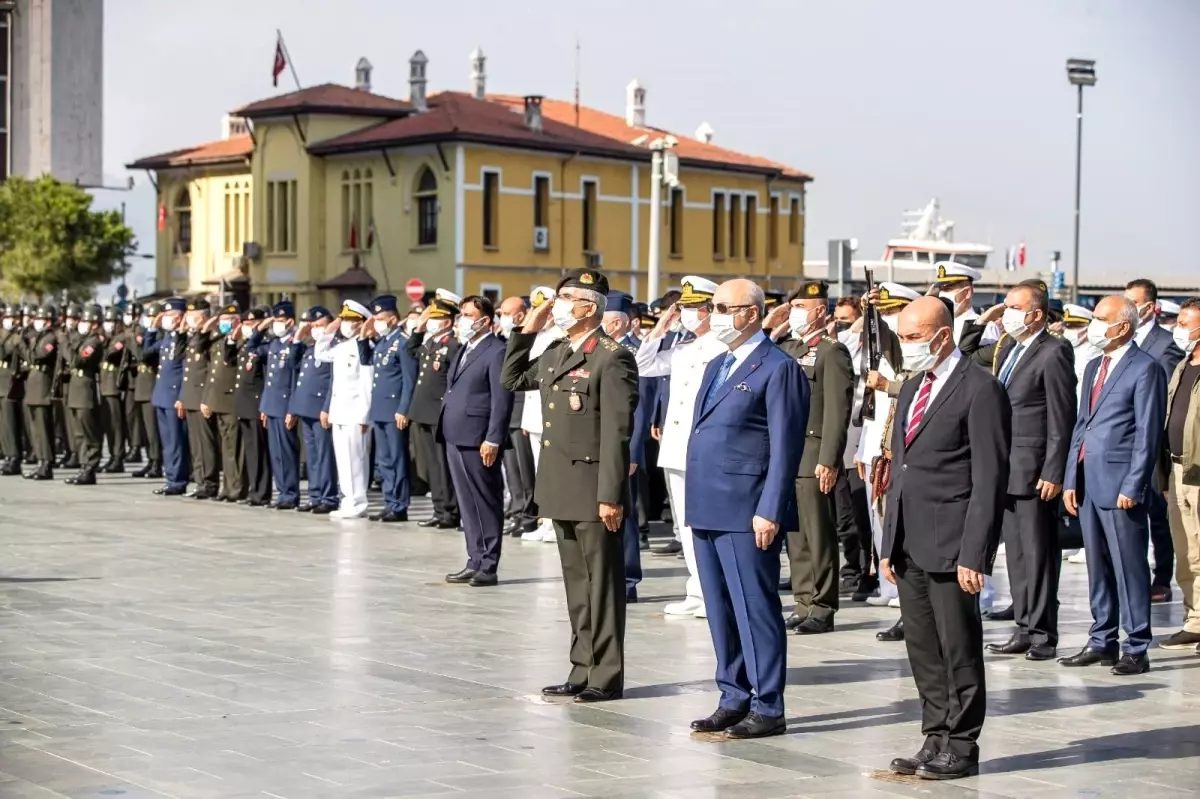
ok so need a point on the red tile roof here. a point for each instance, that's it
(455, 116)
(614, 127)
(328, 98)
(227, 151)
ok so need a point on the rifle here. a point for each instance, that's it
(870, 352)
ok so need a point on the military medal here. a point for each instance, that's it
(437, 366)
(575, 401)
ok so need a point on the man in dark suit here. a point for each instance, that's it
(1110, 472)
(519, 467)
(945, 506)
(280, 355)
(473, 428)
(742, 462)
(1155, 340)
(1037, 369)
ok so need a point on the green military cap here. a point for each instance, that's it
(590, 279)
(812, 290)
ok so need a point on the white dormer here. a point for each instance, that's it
(362, 75)
(232, 126)
(635, 104)
(478, 74)
(417, 81)
(705, 133)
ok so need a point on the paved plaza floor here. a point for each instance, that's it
(155, 647)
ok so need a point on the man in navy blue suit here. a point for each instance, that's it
(742, 461)
(308, 400)
(1110, 473)
(1155, 340)
(391, 394)
(473, 426)
(170, 341)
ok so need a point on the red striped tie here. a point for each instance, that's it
(1097, 387)
(919, 408)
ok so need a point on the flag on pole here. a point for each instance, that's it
(162, 217)
(280, 61)
(1021, 255)
(353, 236)
(1010, 259)
(370, 234)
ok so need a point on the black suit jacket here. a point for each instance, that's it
(1160, 346)
(477, 407)
(1041, 390)
(946, 498)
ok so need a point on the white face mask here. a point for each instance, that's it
(347, 329)
(690, 319)
(918, 355)
(145, 321)
(563, 314)
(889, 322)
(1183, 339)
(1077, 338)
(1097, 333)
(9, 324)
(952, 296)
(434, 326)
(464, 329)
(410, 325)
(39, 325)
(84, 328)
(127, 320)
(507, 325)
(168, 323)
(1013, 322)
(247, 329)
(798, 321)
(721, 326)
(381, 326)
(279, 329)
(110, 327)
(847, 338)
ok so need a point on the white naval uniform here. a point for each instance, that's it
(870, 446)
(349, 410)
(684, 364)
(990, 333)
(531, 414)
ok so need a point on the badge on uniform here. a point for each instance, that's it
(741, 387)
(575, 401)
(808, 360)
(580, 373)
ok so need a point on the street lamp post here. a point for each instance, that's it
(1080, 72)
(664, 171)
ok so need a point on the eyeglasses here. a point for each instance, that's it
(726, 308)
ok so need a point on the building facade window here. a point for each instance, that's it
(541, 201)
(589, 216)
(358, 211)
(751, 238)
(735, 224)
(773, 229)
(491, 209)
(183, 222)
(794, 222)
(718, 225)
(237, 216)
(281, 216)
(427, 208)
(676, 221)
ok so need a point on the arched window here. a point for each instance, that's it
(183, 222)
(427, 208)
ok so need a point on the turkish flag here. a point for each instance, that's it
(280, 63)
(162, 217)
(353, 236)
(1021, 254)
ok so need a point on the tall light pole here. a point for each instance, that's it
(1080, 72)
(664, 170)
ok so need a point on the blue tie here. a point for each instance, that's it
(722, 376)
(1006, 372)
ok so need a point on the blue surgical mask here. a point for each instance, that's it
(225, 326)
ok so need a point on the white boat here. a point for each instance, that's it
(928, 238)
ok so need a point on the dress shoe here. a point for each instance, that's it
(566, 689)
(1017, 645)
(909, 765)
(1131, 664)
(12, 467)
(114, 467)
(644, 542)
(156, 471)
(483, 580)
(1180, 640)
(793, 621)
(1160, 594)
(892, 634)
(434, 523)
(687, 607)
(631, 597)
(390, 516)
(167, 491)
(785, 586)
(142, 472)
(134, 457)
(1003, 614)
(285, 506)
(461, 577)
(814, 626)
(322, 510)
(669, 548)
(85, 478)
(721, 720)
(201, 494)
(1041, 652)
(948, 766)
(756, 725)
(1090, 657)
(305, 508)
(71, 462)
(589, 694)
(43, 474)
(256, 503)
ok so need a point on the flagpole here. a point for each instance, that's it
(378, 246)
(288, 57)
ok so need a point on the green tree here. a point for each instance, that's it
(52, 241)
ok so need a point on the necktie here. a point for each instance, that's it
(919, 408)
(1006, 372)
(722, 376)
(1097, 387)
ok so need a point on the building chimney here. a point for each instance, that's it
(533, 112)
(416, 81)
(234, 126)
(705, 133)
(478, 76)
(362, 75)
(635, 104)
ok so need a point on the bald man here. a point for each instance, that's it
(950, 447)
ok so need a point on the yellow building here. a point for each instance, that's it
(334, 192)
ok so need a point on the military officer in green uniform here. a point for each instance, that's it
(145, 365)
(218, 401)
(589, 390)
(112, 389)
(813, 549)
(131, 326)
(83, 400)
(64, 423)
(201, 426)
(40, 363)
(12, 390)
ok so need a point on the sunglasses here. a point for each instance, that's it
(726, 308)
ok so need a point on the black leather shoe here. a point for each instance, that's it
(482, 580)
(203, 495)
(85, 478)
(785, 586)
(948, 766)
(169, 492)
(1090, 657)
(322, 510)
(114, 467)
(12, 467)
(814, 626)
(909, 765)
(672, 547)
(156, 472)
(566, 689)
(434, 523)
(720, 721)
(590, 694)
(461, 577)
(134, 457)
(892, 634)
(631, 597)
(256, 503)
(142, 472)
(756, 725)
(793, 621)
(390, 516)
(1131, 664)
(1017, 645)
(285, 506)
(305, 508)
(1002, 614)
(1041, 652)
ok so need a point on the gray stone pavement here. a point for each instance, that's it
(155, 647)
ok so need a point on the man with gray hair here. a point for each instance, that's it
(1110, 469)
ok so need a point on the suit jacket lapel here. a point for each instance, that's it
(1110, 379)
(952, 381)
(736, 376)
(1033, 347)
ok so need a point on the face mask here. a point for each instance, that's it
(464, 329)
(918, 355)
(410, 325)
(675, 326)
(381, 326)
(279, 329)
(690, 319)
(1183, 340)
(507, 325)
(39, 325)
(168, 323)
(1013, 322)
(1077, 337)
(346, 328)
(432, 327)
(1146, 312)
(247, 329)
(721, 326)
(951, 296)
(225, 326)
(1168, 326)
(192, 324)
(127, 320)
(889, 322)
(146, 320)
(1097, 333)
(8, 324)
(847, 338)
(564, 314)
(109, 327)
(799, 322)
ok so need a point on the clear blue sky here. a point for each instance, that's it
(886, 103)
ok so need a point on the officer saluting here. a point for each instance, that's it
(589, 390)
(247, 394)
(12, 387)
(284, 443)
(83, 402)
(171, 345)
(391, 394)
(201, 426)
(144, 355)
(112, 384)
(40, 361)
(306, 405)
(218, 400)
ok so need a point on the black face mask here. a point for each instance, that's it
(841, 327)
